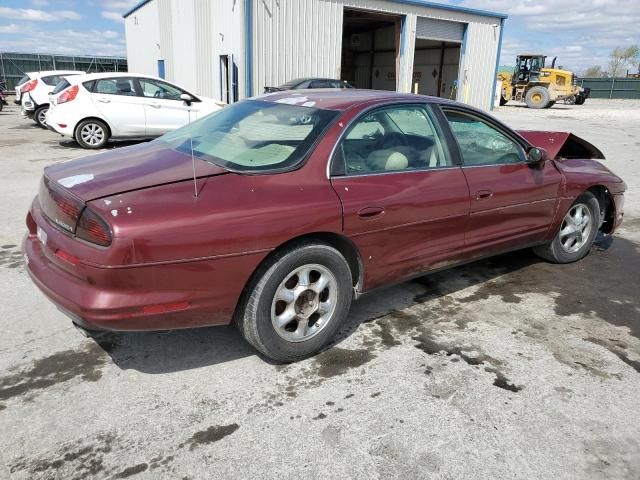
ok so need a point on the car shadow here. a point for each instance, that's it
(70, 143)
(604, 283)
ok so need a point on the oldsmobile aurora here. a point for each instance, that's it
(300, 203)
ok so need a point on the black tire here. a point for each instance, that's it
(580, 99)
(555, 251)
(537, 97)
(38, 116)
(550, 104)
(503, 101)
(259, 303)
(99, 141)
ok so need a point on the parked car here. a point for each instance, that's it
(301, 83)
(25, 78)
(297, 210)
(35, 93)
(99, 107)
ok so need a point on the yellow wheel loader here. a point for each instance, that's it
(540, 87)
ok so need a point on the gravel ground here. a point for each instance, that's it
(506, 368)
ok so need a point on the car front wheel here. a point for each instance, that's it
(577, 232)
(297, 301)
(92, 134)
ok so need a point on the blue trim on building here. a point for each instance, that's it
(416, 3)
(137, 7)
(247, 49)
(495, 75)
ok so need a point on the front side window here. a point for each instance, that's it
(115, 86)
(481, 143)
(253, 135)
(393, 139)
(162, 90)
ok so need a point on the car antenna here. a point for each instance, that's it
(187, 99)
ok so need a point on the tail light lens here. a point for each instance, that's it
(57, 205)
(68, 95)
(93, 229)
(30, 85)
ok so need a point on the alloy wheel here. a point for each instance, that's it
(304, 303)
(92, 134)
(576, 228)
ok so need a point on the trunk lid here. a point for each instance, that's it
(562, 145)
(126, 169)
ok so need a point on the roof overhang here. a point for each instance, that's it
(416, 3)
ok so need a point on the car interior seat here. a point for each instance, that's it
(123, 87)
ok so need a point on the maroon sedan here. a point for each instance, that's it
(296, 203)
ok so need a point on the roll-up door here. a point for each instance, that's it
(432, 29)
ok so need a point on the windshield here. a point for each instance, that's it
(253, 135)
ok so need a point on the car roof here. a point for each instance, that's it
(46, 73)
(343, 99)
(98, 76)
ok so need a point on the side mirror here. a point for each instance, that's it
(187, 99)
(536, 155)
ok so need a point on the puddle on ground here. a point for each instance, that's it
(210, 435)
(85, 363)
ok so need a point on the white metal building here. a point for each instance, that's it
(231, 49)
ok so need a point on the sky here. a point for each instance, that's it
(580, 32)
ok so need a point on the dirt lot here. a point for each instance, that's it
(506, 368)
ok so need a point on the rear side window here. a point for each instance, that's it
(62, 84)
(89, 85)
(52, 80)
(115, 86)
(481, 143)
(393, 139)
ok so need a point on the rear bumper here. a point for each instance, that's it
(136, 298)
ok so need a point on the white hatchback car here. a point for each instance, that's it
(34, 94)
(97, 107)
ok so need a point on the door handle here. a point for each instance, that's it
(370, 212)
(480, 194)
(104, 100)
(155, 105)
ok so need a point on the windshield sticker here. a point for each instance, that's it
(75, 180)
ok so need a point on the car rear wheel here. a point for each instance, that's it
(92, 134)
(297, 301)
(577, 232)
(39, 116)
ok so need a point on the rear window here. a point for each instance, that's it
(62, 84)
(253, 135)
(24, 79)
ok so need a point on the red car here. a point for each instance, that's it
(294, 204)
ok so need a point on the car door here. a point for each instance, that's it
(165, 110)
(119, 103)
(405, 200)
(512, 202)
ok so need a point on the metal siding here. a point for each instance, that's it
(204, 66)
(478, 65)
(142, 33)
(185, 61)
(295, 38)
(166, 36)
(439, 29)
(228, 36)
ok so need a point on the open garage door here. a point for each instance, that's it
(436, 61)
(370, 49)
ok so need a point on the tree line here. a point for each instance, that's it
(621, 60)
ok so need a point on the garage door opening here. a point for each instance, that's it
(370, 49)
(436, 61)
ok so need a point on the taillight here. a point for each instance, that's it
(59, 206)
(93, 229)
(67, 95)
(30, 85)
